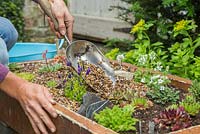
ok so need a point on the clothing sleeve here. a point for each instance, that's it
(3, 72)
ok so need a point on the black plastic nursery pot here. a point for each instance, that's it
(69, 122)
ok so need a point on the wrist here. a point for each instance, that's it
(12, 84)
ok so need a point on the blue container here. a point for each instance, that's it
(23, 52)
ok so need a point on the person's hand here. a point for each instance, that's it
(34, 99)
(64, 18)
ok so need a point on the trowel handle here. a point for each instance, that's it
(46, 7)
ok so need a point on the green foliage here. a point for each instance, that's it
(26, 76)
(190, 105)
(113, 53)
(118, 96)
(13, 10)
(51, 84)
(160, 92)
(195, 69)
(195, 90)
(165, 96)
(50, 68)
(144, 52)
(75, 88)
(117, 119)
(182, 53)
(155, 81)
(14, 67)
(173, 106)
(169, 35)
(140, 103)
(179, 59)
(123, 44)
(163, 13)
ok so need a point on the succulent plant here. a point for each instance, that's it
(140, 103)
(190, 105)
(195, 90)
(26, 76)
(173, 119)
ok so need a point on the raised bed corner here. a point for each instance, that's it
(68, 122)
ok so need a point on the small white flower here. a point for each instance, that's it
(159, 15)
(160, 81)
(162, 88)
(143, 80)
(155, 77)
(167, 69)
(143, 59)
(120, 57)
(158, 67)
(152, 56)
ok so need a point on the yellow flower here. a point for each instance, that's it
(180, 25)
(138, 26)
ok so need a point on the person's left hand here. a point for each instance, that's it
(37, 102)
(64, 18)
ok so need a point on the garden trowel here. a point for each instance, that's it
(81, 49)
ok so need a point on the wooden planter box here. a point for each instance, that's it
(69, 122)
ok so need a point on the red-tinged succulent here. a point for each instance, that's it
(59, 59)
(173, 119)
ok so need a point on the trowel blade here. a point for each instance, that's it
(88, 52)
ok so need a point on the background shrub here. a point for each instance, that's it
(13, 10)
(163, 13)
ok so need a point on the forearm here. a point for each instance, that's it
(11, 84)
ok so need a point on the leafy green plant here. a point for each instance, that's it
(144, 52)
(50, 68)
(27, 76)
(190, 105)
(51, 84)
(163, 13)
(75, 88)
(140, 103)
(195, 90)
(117, 119)
(113, 53)
(160, 92)
(14, 67)
(182, 53)
(163, 96)
(173, 106)
(195, 69)
(173, 119)
(122, 44)
(13, 10)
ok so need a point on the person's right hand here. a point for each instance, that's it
(64, 18)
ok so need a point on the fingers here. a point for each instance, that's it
(49, 97)
(69, 25)
(44, 117)
(61, 24)
(52, 27)
(35, 128)
(37, 121)
(46, 105)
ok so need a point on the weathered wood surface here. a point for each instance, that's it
(93, 19)
(68, 122)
